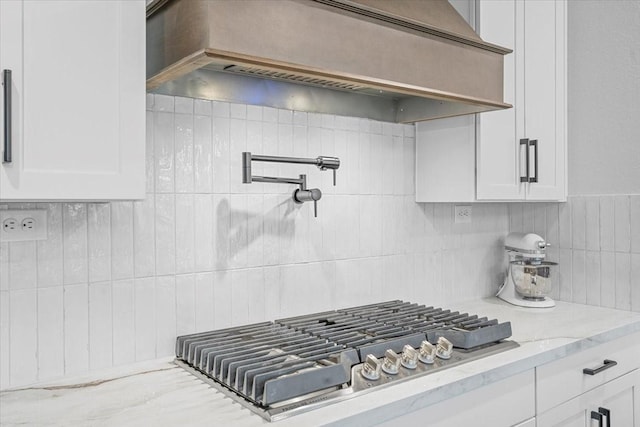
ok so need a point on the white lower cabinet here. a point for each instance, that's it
(616, 403)
(595, 387)
(508, 402)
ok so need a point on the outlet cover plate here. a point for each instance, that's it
(23, 225)
(462, 214)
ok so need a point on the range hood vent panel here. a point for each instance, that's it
(318, 52)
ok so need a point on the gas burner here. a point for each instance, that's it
(281, 368)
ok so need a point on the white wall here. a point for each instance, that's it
(604, 97)
(115, 282)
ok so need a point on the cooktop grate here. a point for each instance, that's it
(272, 362)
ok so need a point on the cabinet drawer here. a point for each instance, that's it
(564, 379)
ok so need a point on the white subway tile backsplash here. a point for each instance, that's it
(622, 226)
(247, 253)
(221, 226)
(163, 103)
(592, 277)
(165, 305)
(370, 208)
(220, 109)
(23, 343)
(565, 281)
(237, 145)
(51, 332)
(123, 300)
(254, 112)
(634, 217)
(300, 118)
(150, 176)
(203, 232)
(608, 279)
(578, 277)
(164, 159)
(204, 316)
(635, 289)
(239, 297)
(623, 281)
(99, 245)
(183, 105)
(100, 325)
(592, 224)
(270, 114)
(121, 240)
(238, 233)
(202, 107)
(183, 146)
(4, 266)
(222, 301)
(578, 223)
(552, 233)
(144, 237)
(5, 343)
(607, 221)
(220, 154)
(76, 329)
(185, 233)
(202, 154)
(564, 225)
(23, 265)
(74, 217)
(165, 234)
(145, 318)
(238, 111)
(254, 146)
(185, 304)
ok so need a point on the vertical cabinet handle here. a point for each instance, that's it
(534, 143)
(597, 416)
(606, 413)
(6, 82)
(525, 142)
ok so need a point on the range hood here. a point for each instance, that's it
(391, 60)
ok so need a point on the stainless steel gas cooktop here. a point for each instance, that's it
(282, 368)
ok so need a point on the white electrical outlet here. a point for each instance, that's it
(21, 225)
(462, 214)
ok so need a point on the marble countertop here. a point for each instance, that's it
(160, 393)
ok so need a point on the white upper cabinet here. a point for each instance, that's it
(534, 131)
(488, 162)
(77, 111)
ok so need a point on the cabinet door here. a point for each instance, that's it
(544, 99)
(78, 99)
(620, 396)
(497, 149)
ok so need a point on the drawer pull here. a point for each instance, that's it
(606, 364)
(597, 416)
(607, 413)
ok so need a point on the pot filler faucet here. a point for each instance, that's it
(300, 195)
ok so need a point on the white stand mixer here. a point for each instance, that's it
(529, 276)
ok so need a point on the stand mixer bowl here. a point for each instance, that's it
(533, 280)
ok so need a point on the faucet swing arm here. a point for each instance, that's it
(300, 195)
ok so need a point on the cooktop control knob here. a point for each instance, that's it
(391, 362)
(371, 368)
(444, 348)
(409, 357)
(427, 353)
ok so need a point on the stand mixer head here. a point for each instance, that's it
(529, 276)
